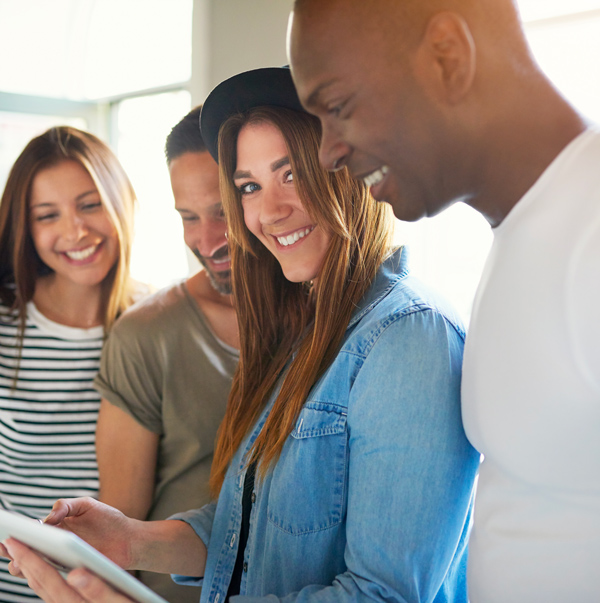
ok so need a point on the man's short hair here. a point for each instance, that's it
(185, 137)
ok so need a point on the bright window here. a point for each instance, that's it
(93, 49)
(125, 65)
(568, 49)
(17, 129)
(159, 255)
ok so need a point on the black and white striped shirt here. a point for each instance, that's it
(47, 420)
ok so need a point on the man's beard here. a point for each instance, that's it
(220, 281)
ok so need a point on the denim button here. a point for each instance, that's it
(253, 497)
(245, 567)
(232, 542)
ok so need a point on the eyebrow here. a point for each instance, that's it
(210, 208)
(276, 165)
(78, 198)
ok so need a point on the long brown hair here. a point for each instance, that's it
(278, 318)
(20, 265)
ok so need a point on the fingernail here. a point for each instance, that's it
(7, 546)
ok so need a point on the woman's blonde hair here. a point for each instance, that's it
(20, 265)
(284, 326)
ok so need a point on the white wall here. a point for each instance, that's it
(231, 36)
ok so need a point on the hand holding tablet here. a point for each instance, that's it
(67, 551)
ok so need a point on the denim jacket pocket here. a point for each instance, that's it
(308, 487)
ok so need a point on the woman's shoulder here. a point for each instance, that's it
(395, 292)
(412, 295)
(407, 302)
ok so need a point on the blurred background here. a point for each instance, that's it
(128, 70)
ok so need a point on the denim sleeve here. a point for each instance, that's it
(411, 471)
(201, 521)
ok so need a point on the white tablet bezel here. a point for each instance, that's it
(68, 550)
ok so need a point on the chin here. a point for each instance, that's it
(298, 278)
(406, 211)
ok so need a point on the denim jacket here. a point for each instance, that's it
(370, 499)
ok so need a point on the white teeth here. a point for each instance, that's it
(376, 177)
(291, 239)
(81, 254)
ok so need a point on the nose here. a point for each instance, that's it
(333, 151)
(209, 237)
(273, 206)
(75, 228)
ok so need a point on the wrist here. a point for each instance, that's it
(140, 540)
(166, 547)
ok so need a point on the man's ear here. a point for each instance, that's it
(447, 57)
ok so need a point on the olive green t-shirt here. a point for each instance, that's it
(163, 365)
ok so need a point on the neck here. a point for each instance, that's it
(69, 304)
(523, 134)
(217, 308)
(201, 289)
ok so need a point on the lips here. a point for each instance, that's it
(218, 267)
(78, 255)
(218, 261)
(294, 237)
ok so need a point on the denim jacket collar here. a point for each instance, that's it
(393, 269)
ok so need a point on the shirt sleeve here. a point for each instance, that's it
(131, 372)
(201, 521)
(411, 470)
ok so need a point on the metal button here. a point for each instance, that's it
(245, 567)
(253, 497)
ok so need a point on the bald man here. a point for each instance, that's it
(437, 101)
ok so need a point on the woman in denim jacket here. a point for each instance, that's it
(342, 472)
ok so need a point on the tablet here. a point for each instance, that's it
(66, 551)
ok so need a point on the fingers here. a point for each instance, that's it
(46, 582)
(12, 566)
(3, 551)
(67, 507)
(60, 510)
(93, 589)
(14, 570)
(81, 586)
